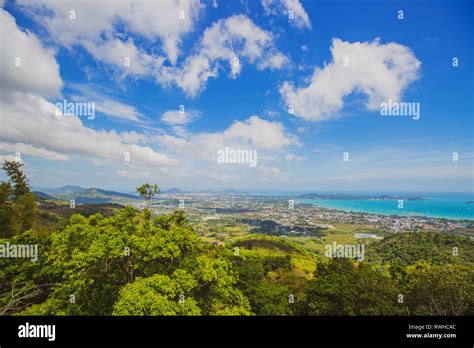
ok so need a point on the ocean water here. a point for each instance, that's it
(440, 205)
(445, 205)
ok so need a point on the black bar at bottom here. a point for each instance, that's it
(454, 331)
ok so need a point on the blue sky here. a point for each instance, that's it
(282, 61)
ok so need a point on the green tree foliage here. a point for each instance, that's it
(269, 298)
(158, 295)
(176, 218)
(18, 179)
(103, 263)
(97, 256)
(205, 288)
(17, 203)
(411, 247)
(216, 293)
(24, 282)
(147, 191)
(269, 282)
(6, 209)
(440, 290)
(343, 287)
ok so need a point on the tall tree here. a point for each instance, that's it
(17, 202)
(147, 191)
(6, 211)
(18, 179)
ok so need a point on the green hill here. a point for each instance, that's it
(98, 196)
(411, 247)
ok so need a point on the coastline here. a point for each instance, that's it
(421, 209)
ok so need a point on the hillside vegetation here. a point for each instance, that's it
(121, 261)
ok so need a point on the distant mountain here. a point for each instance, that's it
(113, 193)
(42, 195)
(172, 190)
(93, 200)
(86, 195)
(65, 190)
(96, 195)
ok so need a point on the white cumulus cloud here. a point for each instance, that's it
(252, 133)
(30, 123)
(25, 64)
(92, 22)
(381, 71)
(30, 150)
(261, 133)
(292, 9)
(31, 120)
(235, 41)
(125, 56)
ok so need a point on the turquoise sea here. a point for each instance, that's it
(441, 205)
